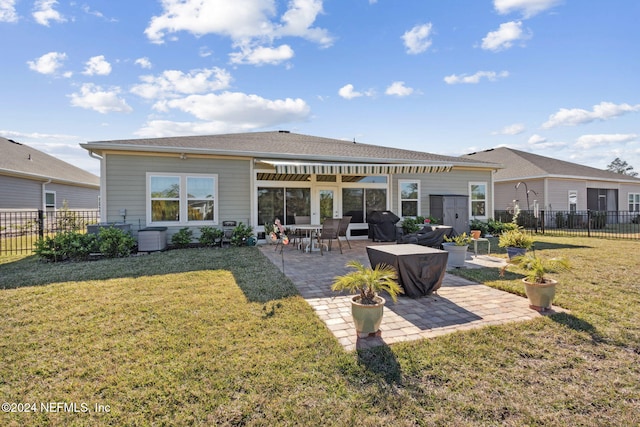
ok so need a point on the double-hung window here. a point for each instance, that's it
(182, 199)
(478, 192)
(634, 202)
(409, 198)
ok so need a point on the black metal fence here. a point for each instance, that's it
(603, 224)
(19, 230)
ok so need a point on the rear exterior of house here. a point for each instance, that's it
(254, 178)
(33, 180)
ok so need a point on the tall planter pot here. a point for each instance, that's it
(366, 317)
(540, 294)
(457, 254)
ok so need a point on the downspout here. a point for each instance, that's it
(44, 195)
(103, 186)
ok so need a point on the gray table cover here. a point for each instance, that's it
(420, 268)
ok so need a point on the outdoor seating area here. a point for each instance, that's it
(458, 304)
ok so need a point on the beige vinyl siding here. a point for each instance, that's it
(558, 190)
(454, 182)
(126, 185)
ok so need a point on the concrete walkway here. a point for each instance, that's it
(458, 305)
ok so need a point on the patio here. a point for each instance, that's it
(458, 305)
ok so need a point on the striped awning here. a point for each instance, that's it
(354, 168)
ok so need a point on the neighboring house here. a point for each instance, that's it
(32, 180)
(557, 185)
(255, 178)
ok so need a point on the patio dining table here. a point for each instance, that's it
(311, 231)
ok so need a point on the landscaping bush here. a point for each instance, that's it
(240, 234)
(182, 238)
(70, 245)
(210, 236)
(115, 243)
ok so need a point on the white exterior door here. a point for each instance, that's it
(324, 204)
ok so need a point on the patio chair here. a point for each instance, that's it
(329, 231)
(344, 226)
(300, 235)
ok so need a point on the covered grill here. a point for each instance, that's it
(382, 226)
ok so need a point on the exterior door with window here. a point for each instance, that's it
(325, 204)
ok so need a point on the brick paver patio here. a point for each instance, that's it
(458, 305)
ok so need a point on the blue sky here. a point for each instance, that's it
(555, 77)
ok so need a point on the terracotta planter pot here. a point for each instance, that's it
(475, 234)
(367, 318)
(540, 294)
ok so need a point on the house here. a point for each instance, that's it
(254, 178)
(33, 180)
(557, 185)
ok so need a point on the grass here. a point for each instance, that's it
(221, 337)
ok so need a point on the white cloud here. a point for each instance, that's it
(475, 78)
(528, 8)
(174, 83)
(262, 55)
(252, 111)
(576, 116)
(163, 128)
(348, 92)
(48, 63)
(143, 62)
(248, 23)
(398, 89)
(536, 139)
(591, 141)
(8, 11)
(97, 65)
(93, 97)
(514, 129)
(417, 39)
(504, 37)
(45, 12)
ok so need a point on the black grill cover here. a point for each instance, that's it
(382, 226)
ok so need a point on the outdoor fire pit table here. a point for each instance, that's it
(420, 268)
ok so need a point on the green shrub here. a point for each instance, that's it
(115, 243)
(240, 234)
(210, 236)
(476, 224)
(182, 238)
(70, 245)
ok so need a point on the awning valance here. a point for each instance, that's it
(353, 168)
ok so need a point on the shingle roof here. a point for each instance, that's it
(521, 164)
(280, 145)
(21, 160)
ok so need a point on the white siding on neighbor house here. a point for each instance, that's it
(455, 182)
(19, 193)
(506, 193)
(126, 185)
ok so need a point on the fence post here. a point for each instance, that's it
(41, 223)
(542, 216)
(588, 223)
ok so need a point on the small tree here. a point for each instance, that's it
(622, 167)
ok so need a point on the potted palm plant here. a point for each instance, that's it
(539, 288)
(516, 242)
(457, 247)
(367, 306)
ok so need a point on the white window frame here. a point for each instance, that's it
(400, 199)
(572, 195)
(48, 206)
(486, 200)
(635, 202)
(183, 199)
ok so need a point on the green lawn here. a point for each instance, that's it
(220, 337)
